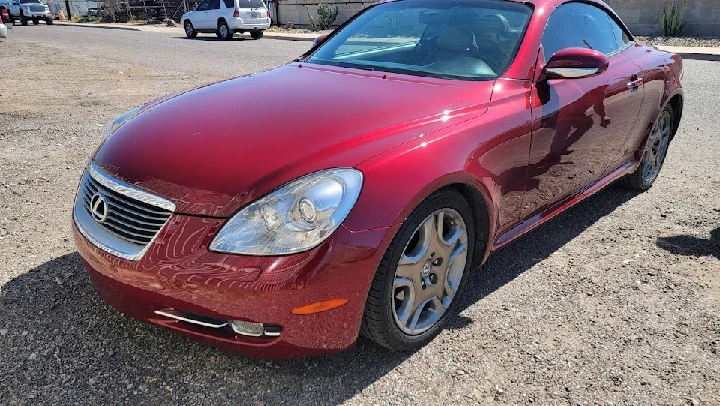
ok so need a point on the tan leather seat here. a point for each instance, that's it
(455, 46)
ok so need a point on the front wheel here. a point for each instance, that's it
(421, 274)
(655, 152)
(36, 21)
(256, 34)
(23, 20)
(190, 30)
(223, 31)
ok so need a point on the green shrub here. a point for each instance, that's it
(326, 17)
(672, 18)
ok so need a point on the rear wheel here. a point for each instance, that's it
(422, 274)
(223, 31)
(190, 30)
(655, 152)
(36, 21)
(49, 21)
(256, 34)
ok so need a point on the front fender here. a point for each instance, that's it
(399, 180)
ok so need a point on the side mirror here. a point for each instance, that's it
(573, 63)
(319, 39)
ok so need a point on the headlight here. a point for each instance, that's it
(120, 120)
(294, 218)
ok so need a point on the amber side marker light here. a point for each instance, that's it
(319, 306)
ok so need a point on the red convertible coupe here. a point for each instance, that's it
(353, 190)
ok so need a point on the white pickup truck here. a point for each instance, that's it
(25, 10)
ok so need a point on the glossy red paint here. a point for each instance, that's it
(521, 148)
(179, 272)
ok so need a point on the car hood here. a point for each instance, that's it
(216, 148)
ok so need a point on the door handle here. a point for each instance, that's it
(634, 82)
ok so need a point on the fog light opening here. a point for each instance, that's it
(247, 328)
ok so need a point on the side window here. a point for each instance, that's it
(229, 3)
(204, 5)
(563, 30)
(621, 37)
(579, 25)
(215, 4)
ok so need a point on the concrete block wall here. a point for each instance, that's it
(641, 16)
(296, 11)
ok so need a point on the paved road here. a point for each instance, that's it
(613, 302)
(171, 51)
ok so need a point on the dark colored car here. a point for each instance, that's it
(408, 145)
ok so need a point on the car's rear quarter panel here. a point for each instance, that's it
(661, 74)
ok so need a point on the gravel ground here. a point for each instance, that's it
(681, 41)
(614, 302)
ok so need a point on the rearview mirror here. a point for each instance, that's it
(573, 63)
(319, 39)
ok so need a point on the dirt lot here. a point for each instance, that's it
(615, 302)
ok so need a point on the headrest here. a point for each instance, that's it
(455, 39)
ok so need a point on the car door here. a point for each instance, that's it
(199, 18)
(213, 14)
(579, 123)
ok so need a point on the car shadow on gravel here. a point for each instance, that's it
(689, 245)
(216, 39)
(517, 257)
(61, 344)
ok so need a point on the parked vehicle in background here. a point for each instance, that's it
(3, 30)
(406, 154)
(4, 15)
(226, 17)
(26, 10)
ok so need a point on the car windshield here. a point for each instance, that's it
(454, 39)
(30, 2)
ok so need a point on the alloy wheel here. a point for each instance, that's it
(188, 29)
(430, 271)
(657, 146)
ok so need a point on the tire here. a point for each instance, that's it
(49, 21)
(655, 152)
(390, 318)
(223, 31)
(36, 21)
(23, 20)
(256, 34)
(190, 30)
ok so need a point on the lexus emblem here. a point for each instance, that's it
(98, 208)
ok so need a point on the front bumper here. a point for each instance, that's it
(254, 24)
(37, 14)
(178, 272)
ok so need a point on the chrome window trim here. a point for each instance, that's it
(101, 238)
(571, 72)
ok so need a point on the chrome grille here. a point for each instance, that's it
(37, 8)
(129, 218)
(132, 220)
